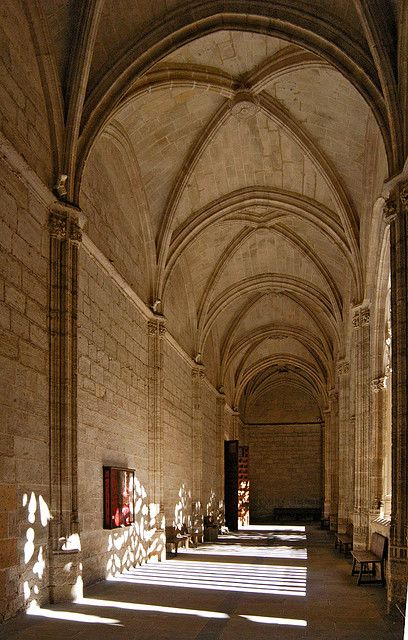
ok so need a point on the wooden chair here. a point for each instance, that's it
(175, 537)
(376, 555)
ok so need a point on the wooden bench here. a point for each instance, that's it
(344, 541)
(174, 537)
(193, 536)
(376, 555)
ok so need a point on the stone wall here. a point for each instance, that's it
(285, 468)
(112, 405)
(210, 486)
(110, 185)
(177, 436)
(286, 404)
(23, 113)
(113, 392)
(24, 441)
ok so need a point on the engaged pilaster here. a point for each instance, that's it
(334, 458)
(345, 448)
(327, 464)
(65, 568)
(396, 214)
(156, 332)
(361, 324)
(197, 378)
(220, 444)
(236, 423)
(376, 448)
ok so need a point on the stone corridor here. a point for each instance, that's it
(203, 314)
(283, 582)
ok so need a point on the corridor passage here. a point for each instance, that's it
(266, 582)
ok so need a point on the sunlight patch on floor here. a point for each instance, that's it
(282, 621)
(238, 577)
(70, 616)
(135, 606)
(278, 551)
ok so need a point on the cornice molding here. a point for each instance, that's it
(93, 251)
(21, 169)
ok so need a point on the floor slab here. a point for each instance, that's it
(272, 582)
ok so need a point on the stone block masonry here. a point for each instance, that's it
(284, 467)
(112, 414)
(24, 437)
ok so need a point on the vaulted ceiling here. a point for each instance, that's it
(227, 156)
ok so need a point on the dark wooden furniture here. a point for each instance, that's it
(210, 529)
(174, 537)
(369, 559)
(191, 535)
(296, 514)
(344, 541)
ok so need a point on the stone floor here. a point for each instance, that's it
(264, 583)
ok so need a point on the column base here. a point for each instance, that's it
(333, 522)
(156, 543)
(342, 524)
(398, 576)
(360, 538)
(65, 576)
(197, 520)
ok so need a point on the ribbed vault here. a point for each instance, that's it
(250, 153)
(234, 147)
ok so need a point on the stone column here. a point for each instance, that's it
(343, 372)
(65, 565)
(197, 378)
(351, 464)
(376, 448)
(327, 464)
(220, 445)
(236, 424)
(396, 212)
(156, 332)
(334, 459)
(361, 323)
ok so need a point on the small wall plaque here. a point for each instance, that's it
(118, 497)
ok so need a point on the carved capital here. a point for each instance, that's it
(75, 233)
(152, 327)
(356, 319)
(57, 225)
(389, 210)
(162, 329)
(378, 384)
(361, 317)
(404, 196)
(365, 316)
(64, 223)
(343, 368)
(334, 396)
(198, 373)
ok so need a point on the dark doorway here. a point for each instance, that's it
(231, 483)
